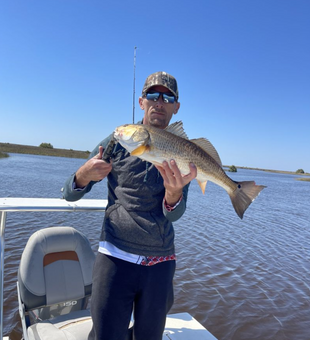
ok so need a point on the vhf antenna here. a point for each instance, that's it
(134, 83)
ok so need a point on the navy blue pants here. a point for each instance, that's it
(120, 287)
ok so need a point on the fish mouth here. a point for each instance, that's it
(126, 140)
(119, 134)
(124, 133)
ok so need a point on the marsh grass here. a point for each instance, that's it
(43, 151)
(3, 155)
(276, 171)
(305, 179)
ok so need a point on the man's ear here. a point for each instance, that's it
(141, 103)
(177, 107)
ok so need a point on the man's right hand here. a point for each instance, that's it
(95, 169)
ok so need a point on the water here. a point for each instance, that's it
(242, 279)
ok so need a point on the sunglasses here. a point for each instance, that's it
(167, 98)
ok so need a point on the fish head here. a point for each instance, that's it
(132, 136)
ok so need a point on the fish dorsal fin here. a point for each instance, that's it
(177, 129)
(209, 148)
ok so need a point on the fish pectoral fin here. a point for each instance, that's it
(139, 150)
(202, 186)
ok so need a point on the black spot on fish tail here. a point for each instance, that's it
(244, 194)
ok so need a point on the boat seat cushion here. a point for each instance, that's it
(56, 266)
(77, 327)
(64, 281)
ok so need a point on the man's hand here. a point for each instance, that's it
(95, 169)
(174, 181)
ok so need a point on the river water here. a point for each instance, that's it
(242, 279)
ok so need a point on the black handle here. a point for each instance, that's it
(107, 153)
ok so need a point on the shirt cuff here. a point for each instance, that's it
(75, 188)
(169, 207)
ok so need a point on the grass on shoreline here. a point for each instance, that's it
(304, 179)
(4, 155)
(37, 150)
(276, 171)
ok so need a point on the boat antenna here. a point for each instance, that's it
(134, 83)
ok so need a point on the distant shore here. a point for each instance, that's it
(37, 150)
(276, 171)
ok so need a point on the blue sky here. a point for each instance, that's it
(243, 69)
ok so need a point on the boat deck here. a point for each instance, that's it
(183, 326)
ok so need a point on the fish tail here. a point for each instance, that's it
(244, 194)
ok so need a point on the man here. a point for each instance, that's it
(135, 264)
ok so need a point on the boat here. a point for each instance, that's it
(54, 278)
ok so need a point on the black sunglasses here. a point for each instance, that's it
(167, 98)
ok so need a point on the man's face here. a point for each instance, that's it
(158, 113)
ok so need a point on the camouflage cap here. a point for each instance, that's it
(163, 79)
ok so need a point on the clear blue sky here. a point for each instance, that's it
(243, 68)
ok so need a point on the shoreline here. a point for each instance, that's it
(38, 150)
(270, 170)
(69, 153)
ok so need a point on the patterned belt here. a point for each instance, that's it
(152, 260)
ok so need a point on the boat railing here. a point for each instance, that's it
(14, 204)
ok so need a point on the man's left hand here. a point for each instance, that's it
(174, 181)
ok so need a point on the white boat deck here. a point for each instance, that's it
(183, 326)
(180, 326)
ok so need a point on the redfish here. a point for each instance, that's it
(157, 145)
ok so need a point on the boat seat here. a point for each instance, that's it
(77, 326)
(54, 285)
